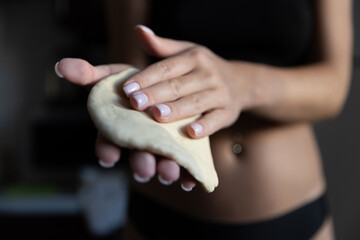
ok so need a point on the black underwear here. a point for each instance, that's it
(154, 221)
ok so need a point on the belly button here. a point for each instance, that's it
(237, 147)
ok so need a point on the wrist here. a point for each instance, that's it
(254, 83)
(264, 87)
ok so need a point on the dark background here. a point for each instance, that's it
(43, 119)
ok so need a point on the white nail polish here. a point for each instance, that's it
(198, 129)
(185, 188)
(130, 88)
(146, 29)
(163, 181)
(140, 179)
(106, 164)
(57, 71)
(141, 99)
(164, 109)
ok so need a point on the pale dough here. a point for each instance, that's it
(126, 127)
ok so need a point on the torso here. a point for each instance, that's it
(280, 167)
(278, 170)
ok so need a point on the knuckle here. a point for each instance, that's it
(197, 52)
(196, 102)
(163, 67)
(85, 74)
(176, 87)
(210, 77)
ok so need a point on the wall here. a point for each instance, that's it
(340, 145)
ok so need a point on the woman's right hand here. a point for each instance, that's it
(144, 164)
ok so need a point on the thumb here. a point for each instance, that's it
(158, 46)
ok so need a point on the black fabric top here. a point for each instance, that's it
(276, 32)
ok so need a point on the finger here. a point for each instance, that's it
(188, 182)
(143, 165)
(82, 73)
(168, 171)
(158, 46)
(171, 90)
(209, 123)
(169, 68)
(185, 107)
(107, 152)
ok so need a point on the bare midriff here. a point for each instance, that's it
(273, 169)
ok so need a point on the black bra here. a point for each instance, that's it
(276, 32)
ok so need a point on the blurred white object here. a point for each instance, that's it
(103, 197)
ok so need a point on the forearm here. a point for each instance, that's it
(305, 93)
(315, 91)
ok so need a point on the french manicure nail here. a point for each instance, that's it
(140, 179)
(164, 109)
(57, 71)
(186, 189)
(146, 29)
(198, 129)
(141, 99)
(106, 164)
(163, 181)
(130, 88)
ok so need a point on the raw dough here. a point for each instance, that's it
(120, 123)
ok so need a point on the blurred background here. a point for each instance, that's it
(51, 186)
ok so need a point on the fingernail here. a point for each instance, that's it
(141, 99)
(163, 181)
(146, 29)
(198, 129)
(140, 179)
(130, 88)
(57, 71)
(106, 164)
(164, 109)
(186, 189)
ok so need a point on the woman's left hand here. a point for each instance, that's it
(189, 80)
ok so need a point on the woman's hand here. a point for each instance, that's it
(189, 80)
(144, 164)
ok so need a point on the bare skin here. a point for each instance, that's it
(272, 108)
